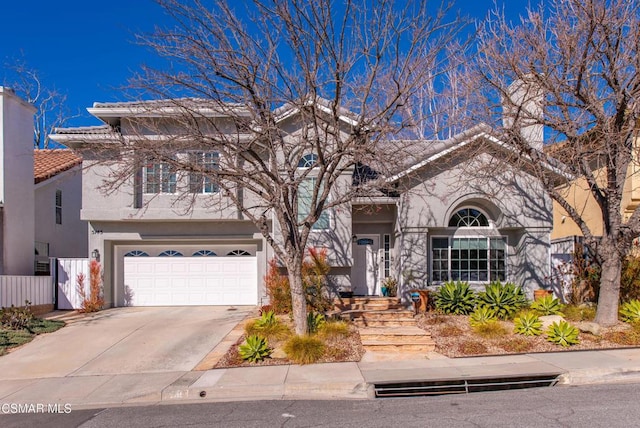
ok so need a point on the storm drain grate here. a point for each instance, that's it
(463, 386)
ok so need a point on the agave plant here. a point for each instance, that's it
(547, 305)
(528, 324)
(268, 319)
(254, 349)
(456, 298)
(630, 311)
(314, 322)
(482, 315)
(504, 299)
(563, 334)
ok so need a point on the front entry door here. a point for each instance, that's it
(366, 267)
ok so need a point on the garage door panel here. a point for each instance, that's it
(158, 281)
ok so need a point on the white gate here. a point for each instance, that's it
(67, 278)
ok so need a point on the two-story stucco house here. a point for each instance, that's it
(440, 223)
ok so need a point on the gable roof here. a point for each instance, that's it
(436, 150)
(49, 163)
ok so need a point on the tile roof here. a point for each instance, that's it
(99, 129)
(49, 163)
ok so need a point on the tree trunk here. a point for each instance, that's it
(298, 299)
(607, 313)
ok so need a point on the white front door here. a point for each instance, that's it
(366, 267)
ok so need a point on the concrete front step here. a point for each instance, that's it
(383, 322)
(368, 303)
(382, 306)
(400, 339)
(418, 349)
(391, 314)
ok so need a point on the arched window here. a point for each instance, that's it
(136, 253)
(170, 253)
(204, 253)
(468, 217)
(238, 253)
(308, 161)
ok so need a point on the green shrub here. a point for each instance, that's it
(504, 299)
(482, 315)
(314, 322)
(455, 298)
(562, 333)
(630, 311)
(491, 329)
(547, 305)
(15, 318)
(272, 332)
(254, 349)
(304, 349)
(528, 324)
(267, 319)
(630, 279)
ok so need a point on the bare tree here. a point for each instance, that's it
(294, 96)
(571, 69)
(50, 103)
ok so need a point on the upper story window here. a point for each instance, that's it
(305, 199)
(468, 217)
(200, 182)
(159, 177)
(308, 161)
(58, 206)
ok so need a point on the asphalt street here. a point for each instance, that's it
(561, 406)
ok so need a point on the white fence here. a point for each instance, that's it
(67, 278)
(14, 290)
(562, 253)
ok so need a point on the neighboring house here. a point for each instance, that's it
(40, 196)
(17, 205)
(581, 198)
(440, 223)
(59, 231)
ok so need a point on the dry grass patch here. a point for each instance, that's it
(472, 347)
(490, 330)
(517, 345)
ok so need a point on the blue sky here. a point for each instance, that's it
(86, 49)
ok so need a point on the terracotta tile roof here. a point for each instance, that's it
(48, 163)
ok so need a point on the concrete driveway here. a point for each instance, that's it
(125, 341)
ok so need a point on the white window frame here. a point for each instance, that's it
(317, 226)
(470, 236)
(167, 181)
(200, 183)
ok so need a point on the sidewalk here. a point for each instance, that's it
(352, 381)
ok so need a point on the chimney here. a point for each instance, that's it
(524, 110)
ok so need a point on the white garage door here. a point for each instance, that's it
(176, 281)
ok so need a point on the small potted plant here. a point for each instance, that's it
(389, 287)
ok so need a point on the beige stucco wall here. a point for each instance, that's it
(580, 197)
